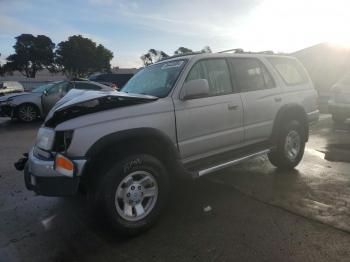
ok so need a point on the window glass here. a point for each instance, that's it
(216, 72)
(58, 88)
(156, 80)
(290, 71)
(87, 86)
(250, 75)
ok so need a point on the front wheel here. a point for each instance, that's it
(27, 113)
(133, 192)
(289, 147)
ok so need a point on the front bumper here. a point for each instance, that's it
(41, 177)
(6, 110)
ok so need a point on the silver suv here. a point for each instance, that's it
(183, 117)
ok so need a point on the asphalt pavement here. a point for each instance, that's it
(251, 212)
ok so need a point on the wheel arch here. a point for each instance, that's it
(140, 140)
(290, 112)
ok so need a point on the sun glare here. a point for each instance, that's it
(291, 25)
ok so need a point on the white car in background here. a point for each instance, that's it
(7, 87)
(339, 102)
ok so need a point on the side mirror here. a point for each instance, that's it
(195, 89)
(45, 93)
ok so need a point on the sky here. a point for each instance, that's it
(130, 27)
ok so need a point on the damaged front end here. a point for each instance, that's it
(101, 102)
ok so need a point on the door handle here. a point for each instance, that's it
(278, 99)
(232, 107)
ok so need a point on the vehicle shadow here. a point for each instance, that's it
(82, 228)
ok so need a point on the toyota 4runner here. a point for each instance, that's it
(183, 117)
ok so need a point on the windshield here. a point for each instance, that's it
(156, 80)
(41, 89)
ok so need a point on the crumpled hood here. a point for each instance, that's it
(13, 95)
(81, 102)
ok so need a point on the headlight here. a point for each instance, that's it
(45, 138)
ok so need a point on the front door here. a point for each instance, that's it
(213, 124)
(53, 94)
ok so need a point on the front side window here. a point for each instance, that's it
(251, 75)
(216, 72)
(155, 80)
(58, 88)
(290, 71)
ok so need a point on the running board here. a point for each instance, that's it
(231, 163)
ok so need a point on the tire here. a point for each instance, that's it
(290, 146)
(338, 118)
(135, 182)
(27, 113)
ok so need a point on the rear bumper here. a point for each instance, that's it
(339, 109)
(41, 177)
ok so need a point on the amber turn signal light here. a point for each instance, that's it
(64, 166)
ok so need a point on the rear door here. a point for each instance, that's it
(213, 124)
(260, 95)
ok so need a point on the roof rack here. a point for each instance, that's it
(235, 50)
(186, 54)
(241, 51)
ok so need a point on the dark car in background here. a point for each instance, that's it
(116, 81)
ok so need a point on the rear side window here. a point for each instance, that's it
(87, 86)
(251, 75)
(216, 72)
(291, 72)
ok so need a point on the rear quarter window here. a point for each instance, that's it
(290, 70)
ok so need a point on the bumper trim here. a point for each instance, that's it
(51, 186)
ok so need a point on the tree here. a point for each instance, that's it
(80, 56)
(153, 56)
(31, 55)
(183, 50)
(206, 49)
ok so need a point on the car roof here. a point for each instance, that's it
(94, 83)
(196, 56)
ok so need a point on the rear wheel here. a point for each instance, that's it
(27, 113)
(289, 147)
(132, 193)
